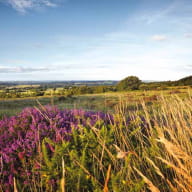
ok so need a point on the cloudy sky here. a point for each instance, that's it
(95, 39)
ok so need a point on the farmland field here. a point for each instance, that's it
(97, 102)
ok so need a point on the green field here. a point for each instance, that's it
(96, 102)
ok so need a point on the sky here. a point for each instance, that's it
(95, 39)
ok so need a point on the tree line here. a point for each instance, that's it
(130, 83)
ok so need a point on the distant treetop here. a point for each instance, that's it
(129, 83)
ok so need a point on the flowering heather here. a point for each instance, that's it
(21, 137)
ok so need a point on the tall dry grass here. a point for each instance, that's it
(161, 138)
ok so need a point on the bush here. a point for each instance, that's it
(33, 143)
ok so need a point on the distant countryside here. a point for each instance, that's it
(90, 95)
(103, 136)
(95, 96)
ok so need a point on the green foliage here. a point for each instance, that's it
(70, 89)
(144, 86)
(82, 173)
(129, 83)
(184, 81)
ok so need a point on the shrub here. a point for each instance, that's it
(30, 144)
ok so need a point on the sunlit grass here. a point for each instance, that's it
(146, 149)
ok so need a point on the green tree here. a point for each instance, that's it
(129, 83)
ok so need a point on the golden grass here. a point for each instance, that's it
(164, 147)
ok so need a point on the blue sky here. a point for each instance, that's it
(95, 39)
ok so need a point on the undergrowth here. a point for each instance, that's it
(149, 149)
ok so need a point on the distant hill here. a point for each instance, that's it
(185, 81)
(181, 82)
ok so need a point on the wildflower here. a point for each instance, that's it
(120, 154)
(21, 155)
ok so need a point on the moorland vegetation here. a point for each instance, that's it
(149, 149)
(141, 141)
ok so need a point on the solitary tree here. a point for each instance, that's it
(129, 83)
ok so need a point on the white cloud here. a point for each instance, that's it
(188, 67)
(24, 5)
(188, 35)
(49, 4)
(159, 37)
(7, 69)
(123, 53)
